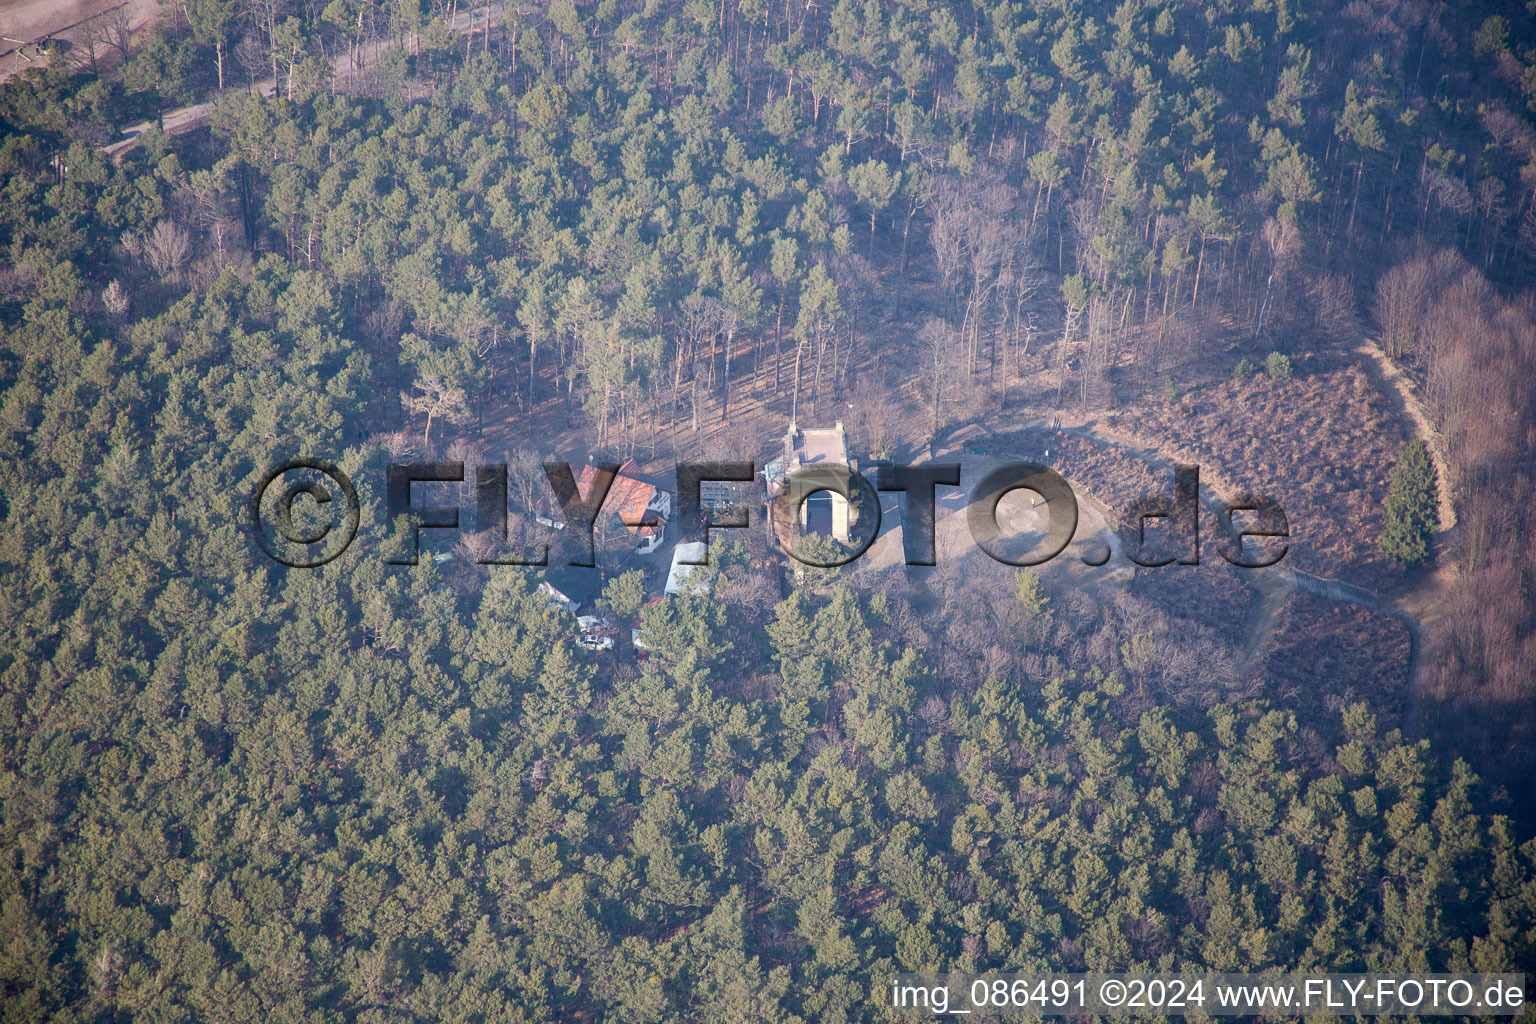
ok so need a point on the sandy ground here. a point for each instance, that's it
(32, 20)
(1021, 518)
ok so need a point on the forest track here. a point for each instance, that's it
(1273, 598)
(1391, 380)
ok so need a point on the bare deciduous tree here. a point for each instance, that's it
(1284, 241)
(941, 359)
(115, 28)
(525, 478)
(877, 418)
(469, 452)
(984, 252)
(167, 248)
(1402, 295)
(115, 298)
(398, 443)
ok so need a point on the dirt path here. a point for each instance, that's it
(1272, 598)
(1394, 383)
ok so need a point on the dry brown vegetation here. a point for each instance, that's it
(1320, 444)
(1321, 654)
(1214, 595)
(1114, 476)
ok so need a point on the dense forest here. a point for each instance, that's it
(378, 231)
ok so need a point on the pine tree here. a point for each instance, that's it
(1410, 507)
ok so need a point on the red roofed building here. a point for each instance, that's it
(633, 499)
